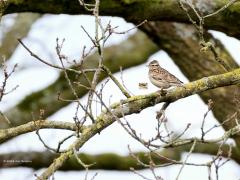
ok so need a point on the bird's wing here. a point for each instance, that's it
(157, 75)
(170, 77)
(162, 74)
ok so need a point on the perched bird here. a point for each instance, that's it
(161, 77)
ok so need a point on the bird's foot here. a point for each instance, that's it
(162, 92)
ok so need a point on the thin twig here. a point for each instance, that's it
(116, 81)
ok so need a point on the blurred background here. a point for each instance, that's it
(39, 33)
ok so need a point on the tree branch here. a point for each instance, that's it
(103, 161)
(137, 11)
(6, 134)
(22, 25)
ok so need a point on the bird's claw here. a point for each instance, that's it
(162, 92)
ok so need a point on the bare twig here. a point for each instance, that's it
(189, 153)
(116, 81)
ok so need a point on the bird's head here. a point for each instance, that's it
(153, 64)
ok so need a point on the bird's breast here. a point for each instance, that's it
(159, 83)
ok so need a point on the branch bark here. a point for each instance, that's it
(6, 134)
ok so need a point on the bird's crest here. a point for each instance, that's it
(154, 63)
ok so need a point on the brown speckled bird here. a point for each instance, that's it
(161, 77)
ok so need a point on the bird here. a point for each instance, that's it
(161, 77)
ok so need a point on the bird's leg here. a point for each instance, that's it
(162, 92)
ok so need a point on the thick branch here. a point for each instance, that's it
(22, 25)
(136, 104)
(104, 161)
(101, 161)
(6, 134)
(136, 11)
